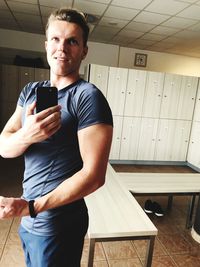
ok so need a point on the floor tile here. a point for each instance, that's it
(187, 260)
(99, 254)
(175, 243)
(119, 250)
(141, 248)
(125, 263)
(163, 261)
(12, 256)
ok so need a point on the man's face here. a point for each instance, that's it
(65, 48)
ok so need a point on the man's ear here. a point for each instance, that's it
(45, 44)
(85, 51)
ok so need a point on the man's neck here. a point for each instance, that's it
(61, 82)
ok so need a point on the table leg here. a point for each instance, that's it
(91, 252)
(190, 212)
(149, 252)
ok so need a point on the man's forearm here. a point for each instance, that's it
(12, 144)
(76, 187)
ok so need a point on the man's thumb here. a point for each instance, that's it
(30, 109)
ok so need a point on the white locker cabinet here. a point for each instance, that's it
(135, 92)
(9, 83)
(147, 140)
(98, 75)
(197, 106)
(187, 98)
(170, 99)
(181, 140)
(165, 139)
(194, 146)
(117, 83)
(7, 109)
(26, 75)
(153, 94)
(130, 138)
(42, 74)
(116, 141)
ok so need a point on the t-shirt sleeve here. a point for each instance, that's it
(93, 108)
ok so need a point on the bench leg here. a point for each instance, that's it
(149, 252)
(190, 212)
(170, 202)
(91, 252)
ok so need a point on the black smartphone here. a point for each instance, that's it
(46, 97)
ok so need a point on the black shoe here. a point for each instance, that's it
(157, 209)
(148, 206)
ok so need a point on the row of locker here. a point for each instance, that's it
(137, 138)
(12, 80)
(144, 93)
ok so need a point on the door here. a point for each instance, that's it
(130, 138)
(135, 93)
(116, 141)
(98, 75)
(170, 99)
(117, 82)
(187, 98)
(153, 94)
(147, 141)
(165, 139)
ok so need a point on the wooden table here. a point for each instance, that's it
(116, 215)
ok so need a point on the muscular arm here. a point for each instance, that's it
(94, 142)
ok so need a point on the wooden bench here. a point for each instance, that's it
(164, 183)
(116, 215)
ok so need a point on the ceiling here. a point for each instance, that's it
(171, 26)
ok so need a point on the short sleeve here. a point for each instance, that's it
(93, 108)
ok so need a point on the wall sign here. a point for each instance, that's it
(140, 60)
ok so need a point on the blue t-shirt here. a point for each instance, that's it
(49, 163)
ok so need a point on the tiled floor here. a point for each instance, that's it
(173, 247)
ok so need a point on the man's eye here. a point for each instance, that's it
(73, 42)
(55, 39)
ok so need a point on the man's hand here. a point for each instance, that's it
(40, 126)
(13, 207)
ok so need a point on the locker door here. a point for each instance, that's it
(147, 141)
(116, 89)
(42, 74)
(135, 92)
(194, 145)
(26, 75)
(9, 83)
(153, 94)
(187, 98)
(197, 106)
(130, 138)
(170, 99)
(116, 141)
(181, 140)
(165, 138)
(99, 77)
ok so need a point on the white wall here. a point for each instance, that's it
(106, 54)
(161, 62)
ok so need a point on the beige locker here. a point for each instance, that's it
(116, 141)
(147, 140)
(117, 83)
(153, 94)
(98, 75)
(130, 138)
(135, 92)
(193, 156)
(170, 99)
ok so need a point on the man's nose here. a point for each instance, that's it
(62, 46)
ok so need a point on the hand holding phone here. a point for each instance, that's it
(46, 97)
